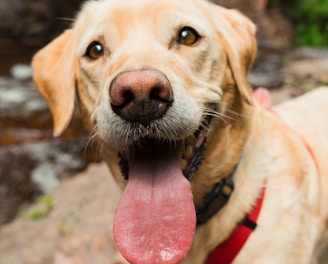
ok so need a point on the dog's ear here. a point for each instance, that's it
(237, 33)
(53, 73)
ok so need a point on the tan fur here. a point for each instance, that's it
(268, 148)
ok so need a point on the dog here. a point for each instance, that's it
(162, 87)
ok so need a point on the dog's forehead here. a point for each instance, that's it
(123, 13)
(144, 6)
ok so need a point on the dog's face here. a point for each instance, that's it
(155, 79)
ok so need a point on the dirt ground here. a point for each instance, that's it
(77, 230)
(73, 225)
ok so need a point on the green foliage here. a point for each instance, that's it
(310, 18)
(44, 205)
(310, 35)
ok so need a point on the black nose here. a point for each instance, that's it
(141, 96)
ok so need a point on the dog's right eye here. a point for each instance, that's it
(95, 50)
(188, 36)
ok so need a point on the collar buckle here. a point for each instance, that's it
(215, 200)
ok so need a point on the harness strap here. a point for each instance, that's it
(229, 249)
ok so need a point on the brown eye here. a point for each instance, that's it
(94, 51)
(188, 36)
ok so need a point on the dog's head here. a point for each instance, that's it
(155, 80)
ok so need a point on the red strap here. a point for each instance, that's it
(228, 250)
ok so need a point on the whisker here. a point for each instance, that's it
(238, 114)
(92, 142)
(65, 19)
(204, 125)
(225, 118)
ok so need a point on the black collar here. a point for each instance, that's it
(215, 200)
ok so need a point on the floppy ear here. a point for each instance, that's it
(237, 34)
(53, 73)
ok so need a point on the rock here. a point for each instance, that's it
(29, 169)
(21, 71)
(31, 160)
(306, 69)
(304, 53)
(272, 25)
(24, 19)
(27, 25)
(254, 9)
(267, 70)
(274, 33)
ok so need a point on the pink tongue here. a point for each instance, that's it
(155, 218)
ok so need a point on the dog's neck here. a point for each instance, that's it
(231, 149)
(215, 200)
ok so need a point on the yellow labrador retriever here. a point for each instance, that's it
(208, 175)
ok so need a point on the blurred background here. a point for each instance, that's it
(36, 168)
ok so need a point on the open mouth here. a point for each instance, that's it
(192, 151)
(155, 219)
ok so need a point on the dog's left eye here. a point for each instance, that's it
(94, 51)
(188, 36)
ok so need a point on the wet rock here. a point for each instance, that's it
(307, 68)
(29, 169)
(24, 114)
(26, 25)
(31, 160)
(303, 69)
(304, 53)
(24, 19)
(267, 70)
(254, 9)
(274, 33)
(21, 71)
(272, 25)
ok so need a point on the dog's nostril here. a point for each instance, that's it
(119, 96)
(127, 97)
(141, 96)
(160, 92)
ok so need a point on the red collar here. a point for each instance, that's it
(229, 249)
